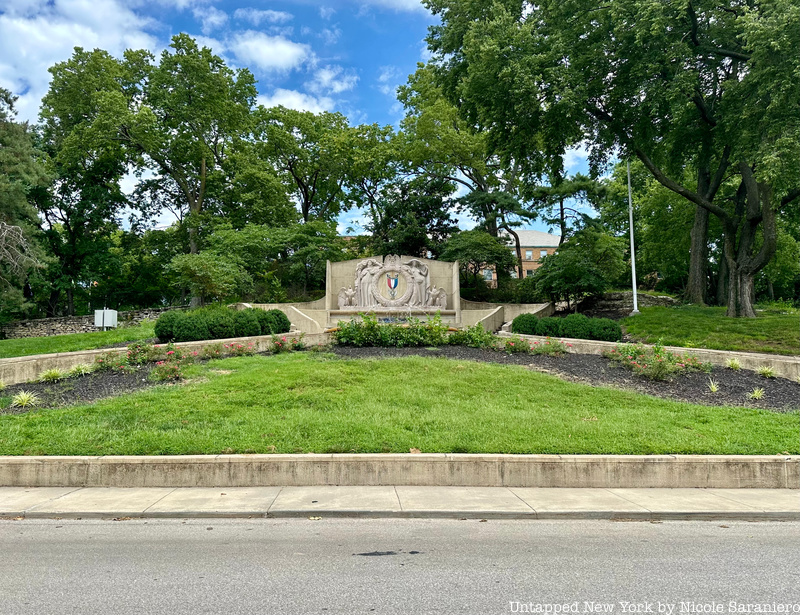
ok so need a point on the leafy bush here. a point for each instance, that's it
(165, 325)
(191, 328)
(414, 333)
(576, 326)
(655, 363)
(548, 327)
(220, 323)
(246, 323)
(549, 347)
(524, 324)
(605, 329)
(111, 360)
(273, 322)
(240, 350)
(474, 337)
(515, 345)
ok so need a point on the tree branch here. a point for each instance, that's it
(677, 188)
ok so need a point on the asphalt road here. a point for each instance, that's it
(396, 566)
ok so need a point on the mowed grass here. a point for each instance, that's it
(308, 402)
(75, 341)
(773, 331)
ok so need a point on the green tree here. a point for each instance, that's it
(210, 276)
(412, 216)
(587, 264)
(311, 153)
(440, 143)
(21, 170)
(476, 250)
(694, 86)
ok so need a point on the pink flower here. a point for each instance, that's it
(169, 352)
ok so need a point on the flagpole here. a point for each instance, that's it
(633, 252)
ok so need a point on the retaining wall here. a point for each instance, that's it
(599, 471)
(43, 327)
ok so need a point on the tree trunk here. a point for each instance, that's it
(698, 259)
(740, 294)
(70, 302)
(722, 282)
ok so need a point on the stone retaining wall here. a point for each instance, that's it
(43, 327)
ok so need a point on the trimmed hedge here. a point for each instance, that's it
(213, 323)
(576, 326)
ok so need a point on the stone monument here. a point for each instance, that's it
(393, 287)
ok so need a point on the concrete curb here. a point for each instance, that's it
(582, 471)
(433, 514)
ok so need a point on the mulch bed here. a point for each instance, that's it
(780, 394)
(80, 390)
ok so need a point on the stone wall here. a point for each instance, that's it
(43, 327)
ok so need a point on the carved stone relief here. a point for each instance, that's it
(392, 284)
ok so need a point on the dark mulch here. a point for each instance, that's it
(780, 394)
(83, 389)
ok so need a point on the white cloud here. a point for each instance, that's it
(257, 17)
(293, 99)
(268, 53)
(330, 35)
(387, 80)
(326, 12)
(210, 18)
(332, 79)
(34, 35)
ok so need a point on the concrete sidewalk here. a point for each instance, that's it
(400, 501)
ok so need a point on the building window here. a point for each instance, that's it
(528, 255)
(487, 275)
(529, 273)
(542, 253)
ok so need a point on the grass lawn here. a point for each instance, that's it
(774, 331)
(75, 341)
(306, 402)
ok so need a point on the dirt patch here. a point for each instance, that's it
(780, 394)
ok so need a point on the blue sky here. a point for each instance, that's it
(330, 55)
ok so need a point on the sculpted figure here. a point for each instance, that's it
(437, 297)
(350, 296)
(365, 272)
(342, 298)
(419, 275)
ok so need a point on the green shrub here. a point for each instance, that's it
(524, 324)
(111, 360)
(51, 375)
(220, 323)
(246, 324)
(474, 337)
(515, 345)
(655, 363)
(548, 327)
(414, 333)
(273, 322)
(191, 328)
(605, 329)
(576, 326)
(165, 325)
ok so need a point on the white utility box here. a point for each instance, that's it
(105, 318)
